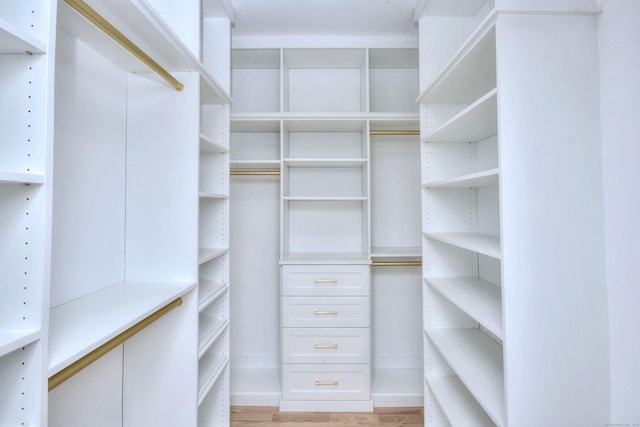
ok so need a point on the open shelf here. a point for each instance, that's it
(473, 180)
(15, 40)
(477, 242)
(478, 298)
(210, 330)
(82, 325)
(413, 253)
(20, 178)
(209, 375)
(210, 291)
(483, 373)
(458, 405)
(13, 339)
(208, 254)
(204, 195)
(208, 145)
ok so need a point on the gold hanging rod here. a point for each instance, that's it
(77, 366)
(396, 263)
(96, 19)
(394, 132)
(254, 172)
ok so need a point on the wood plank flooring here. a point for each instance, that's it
(250, 416)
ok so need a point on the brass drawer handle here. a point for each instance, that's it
(318, 382)
(320, 312)
(318, 281)
(325, 346)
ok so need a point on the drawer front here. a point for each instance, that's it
(325, 345)
(326, 382)
(325, 312)
(308, 280)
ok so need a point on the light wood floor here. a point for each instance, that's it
(249, 416)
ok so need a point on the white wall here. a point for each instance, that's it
(619, 35)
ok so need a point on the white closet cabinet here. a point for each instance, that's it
(27, 32)
(310, 116)
(138, 227)
(511, 226)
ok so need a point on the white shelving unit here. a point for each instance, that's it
(309, 146)
(495, 279)
(27, 36)
(137, 224)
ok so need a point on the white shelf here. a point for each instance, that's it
(210, 329)
(15, 40)
(20, 178)
(404, 253)
(470, 72)
(323, 199)
(84, 324)
(482, 374)
(485, 178)
(209, 291)
(208, 145)
(325, 258)
(255, 164)
(478, 298)
(458, 405)
(477, 242)
(207, 254)
(475, 123)
(13, 339)
(206, 195)
(337, 163)
(209, 378)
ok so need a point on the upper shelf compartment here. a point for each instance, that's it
(255, 80)
(141, 27)
(324, 80)
(469, 70)
(393, 80)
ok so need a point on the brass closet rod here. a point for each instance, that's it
(394, 132)
(58, 378)
(96, 19)
(396, 264)
(254, 172)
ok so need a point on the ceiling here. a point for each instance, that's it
(324, 18)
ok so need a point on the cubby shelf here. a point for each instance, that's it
(478, 298)
(460, 407)
(477, 242)
(210, 374)
(82, 325)
(210, 290)
(483, 373)
(210, 330)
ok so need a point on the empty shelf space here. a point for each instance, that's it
(13, 339)
(210, 146)
(209, 291)
(477, 360)
(485, 178)
(84, 324)
(476, 122)
(336, 163)
(20, 178)
(477, 242)
(458, 405)
(321, 199)
(207, 195)
(209, 374)
(210, 330)
(478, 298)
(208, 254)
(239, 165)
(15, 40)
(413, 253)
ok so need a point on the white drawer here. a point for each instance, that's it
(307, 280)
(325, 312)
(325, 345)
(326, 382)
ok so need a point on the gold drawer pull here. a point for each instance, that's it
(318, 382)
(325, 346)
(319, 312)
(319, 281)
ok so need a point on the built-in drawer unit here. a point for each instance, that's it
(319, 312)
(326, 382)
(325, 345)
(325, 280)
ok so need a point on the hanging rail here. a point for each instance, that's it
(394, 132)
(254, 172)
(396, 263)
(77, 366)
(96, 19)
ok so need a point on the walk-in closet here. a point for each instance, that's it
(239, 212)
